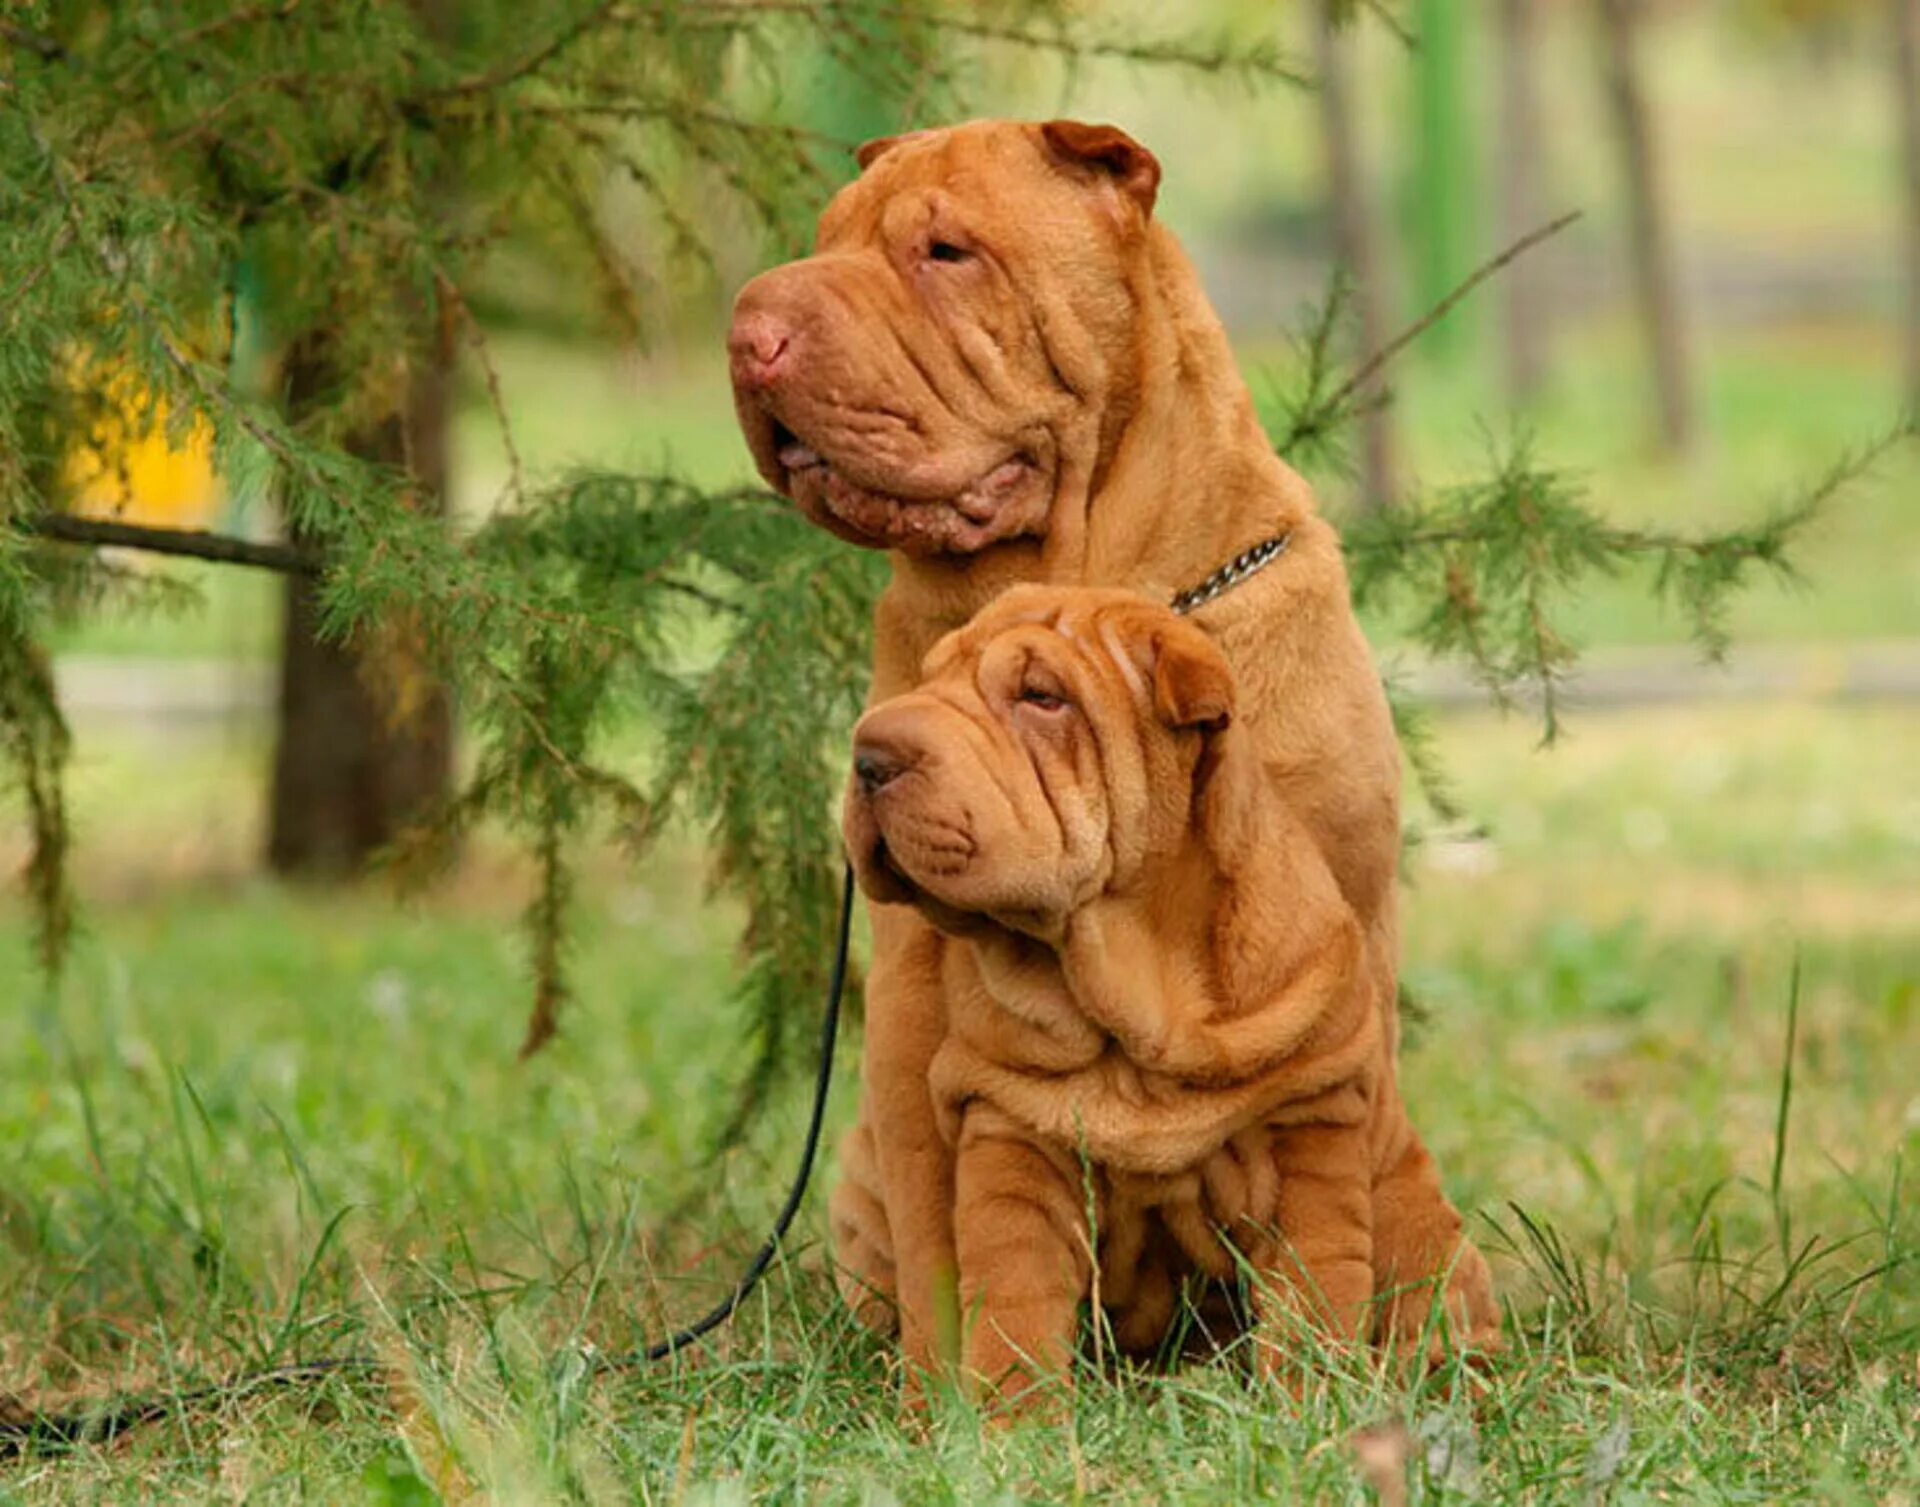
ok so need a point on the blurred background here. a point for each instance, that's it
(1607, 935)
(1764, 143)
(1724, 321)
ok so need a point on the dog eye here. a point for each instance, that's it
(946, 251)
(1047, 701)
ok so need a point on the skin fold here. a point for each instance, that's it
(1162, 1057)
(1000, 367)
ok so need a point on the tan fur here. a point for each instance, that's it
(1061, 405)
(1161, 1048)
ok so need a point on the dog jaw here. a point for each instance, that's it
(889, 502)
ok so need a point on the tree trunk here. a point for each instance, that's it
(1356, 246)
(1521, 150)
(364, 744)
(1656, 282)
(1906, 49)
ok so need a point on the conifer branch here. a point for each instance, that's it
(229, 549)
(1383, 13)
(1339, 403)
(36, 741)
(114, 262)
(39, 44)
(194, 544)
(1482, 570)
(556, 617)
(213, 397)
(514, 71)
(17, 295)
(245, 15)
(1259, 60)
(483, 353)
(546, 926)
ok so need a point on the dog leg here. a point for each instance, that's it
(1024, 1261)
(1320, 1271)
(862, 1238)
(1418, 1243)
(906, 1020)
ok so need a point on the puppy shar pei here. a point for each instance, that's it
(1000, 367)
(1162, 1057)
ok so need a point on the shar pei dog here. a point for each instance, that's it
(1162, 1058)
(999, 366)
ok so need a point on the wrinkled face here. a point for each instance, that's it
(1048, 757)
(962, 331)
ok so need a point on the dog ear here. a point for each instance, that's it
(945, 650)
(1108, 150)
(870, 152)
(1192, 686)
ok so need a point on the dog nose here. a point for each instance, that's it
(875, 766)
(757, 346)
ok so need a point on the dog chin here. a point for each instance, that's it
(885, 880)
(1009, 501)
(948, 919)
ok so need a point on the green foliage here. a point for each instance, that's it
(1310, 408)
(625, 571)
(363, 169)
(36, 746)
(367, 170)
(754, 745)
(1483, 571)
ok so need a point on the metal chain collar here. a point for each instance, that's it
(1248, 562)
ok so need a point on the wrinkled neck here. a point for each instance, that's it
(1157, 501)
(1192, 478)
(1169, 897)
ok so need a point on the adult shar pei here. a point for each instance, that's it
(1161, 1058)
(1000, 367)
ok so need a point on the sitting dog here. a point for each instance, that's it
(1160, 1058)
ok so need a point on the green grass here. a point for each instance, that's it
(258, 1122)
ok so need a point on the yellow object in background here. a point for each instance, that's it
(138, 466)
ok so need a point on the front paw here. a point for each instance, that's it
(1464, 1322)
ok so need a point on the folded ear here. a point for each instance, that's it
(945, 650)
(1110, 151)
(1192, 686)
(870, 152)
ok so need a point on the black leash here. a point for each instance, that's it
(823, 1080)
(37, 1433)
